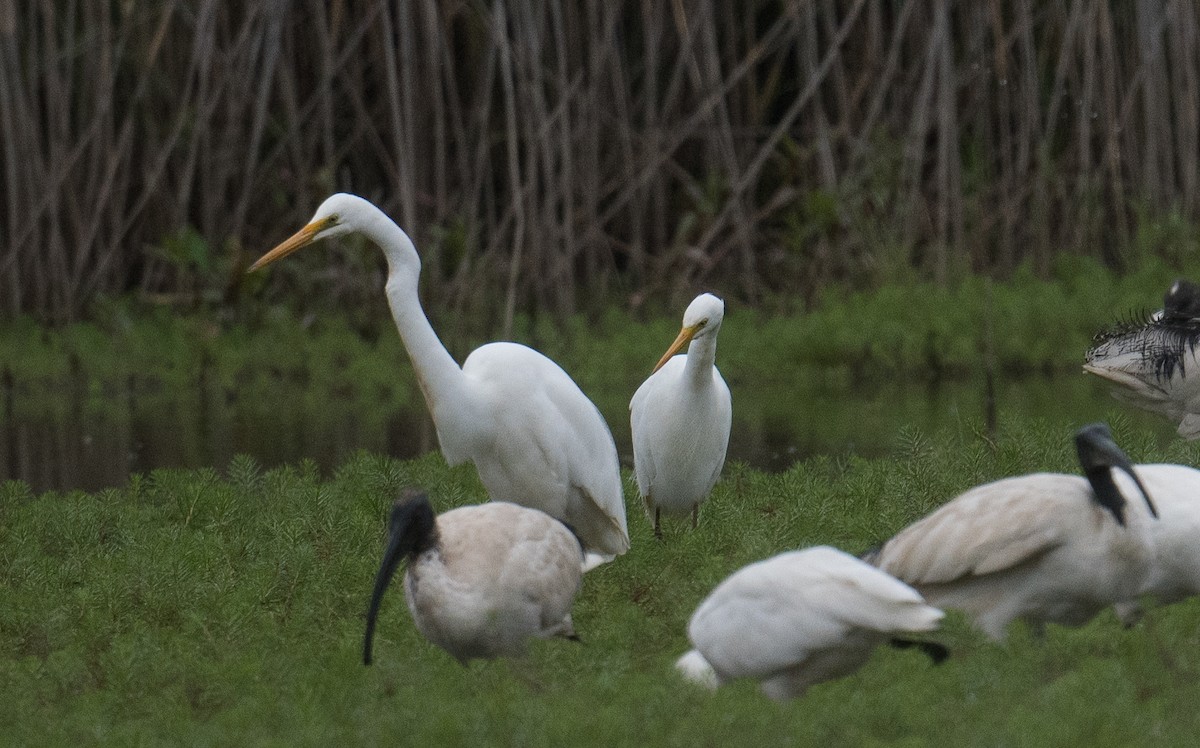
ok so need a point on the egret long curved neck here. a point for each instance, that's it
(441, 379)
(701, 355)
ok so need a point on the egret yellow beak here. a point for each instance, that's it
(685, 337)
(301, 238)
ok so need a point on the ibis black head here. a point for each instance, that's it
(1098, 455)
(412, 530)
(1182, 301)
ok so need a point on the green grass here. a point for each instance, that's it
(222, 608)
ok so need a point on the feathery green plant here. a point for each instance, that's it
(204, 607)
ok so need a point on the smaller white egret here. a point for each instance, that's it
(1044, 548)
(801, 618)
(481, 580)
(680, 419)
(1154, 360)
(1175, 570)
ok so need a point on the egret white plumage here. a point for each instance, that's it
(798, 619)
(481, 580)
(1175, 567)
(533, 435)
(1154, 360)
(680, 419)
(1044, 548)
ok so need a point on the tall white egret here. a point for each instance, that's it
(481, 580)
(680, 418)
(801, 618)
(1175, 568)
(533, 435)
(1155, 361)
(1044, 548)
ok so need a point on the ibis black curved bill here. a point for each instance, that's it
(387, 569)
(411, 530)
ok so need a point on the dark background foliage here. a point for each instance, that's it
(566, 155)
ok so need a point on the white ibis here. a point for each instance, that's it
(481, 580)
(1044, 548)
(1154, 360)
(801, 618)
(1175, 569)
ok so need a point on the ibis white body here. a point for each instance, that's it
(532, 434)
(497, 576)
(798, 619)
(1155, 362)
(1034, 547)
(1174, 394)
(680, 419)
(1174, 572)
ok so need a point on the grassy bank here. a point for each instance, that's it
(211, 607)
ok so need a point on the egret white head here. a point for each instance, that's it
(338, 215)
(702, 319)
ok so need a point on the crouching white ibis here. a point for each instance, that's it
(1154, 359)
(1044, 548)
(801, 618)
(680, 419)
(481, 580)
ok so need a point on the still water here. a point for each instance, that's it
(88, 437)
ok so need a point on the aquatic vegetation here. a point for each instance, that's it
(920, 331)
(140, 387)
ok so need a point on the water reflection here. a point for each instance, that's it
(89, 438)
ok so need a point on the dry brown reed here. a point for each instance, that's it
(554, 156)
